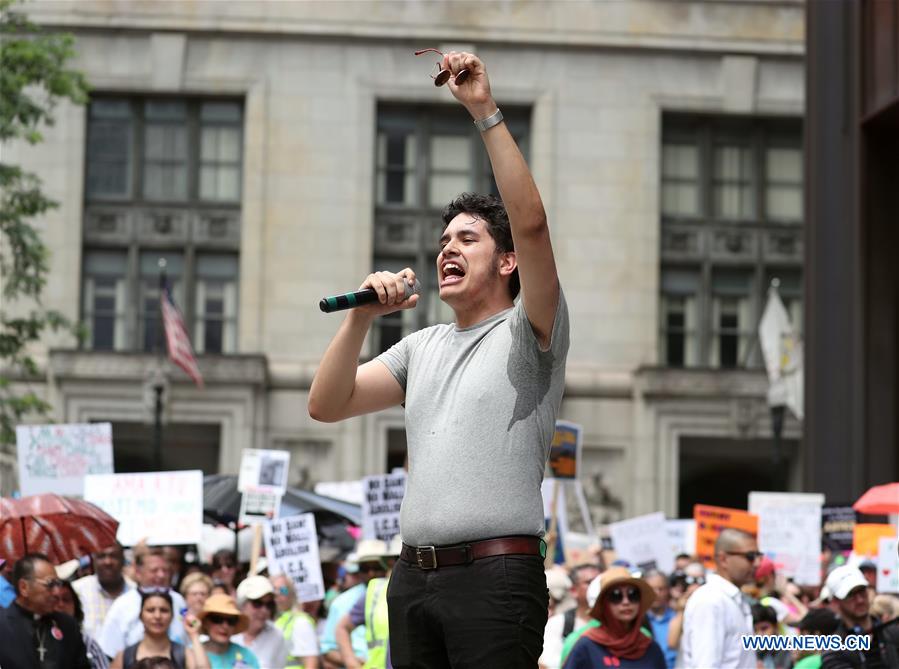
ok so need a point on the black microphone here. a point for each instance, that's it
(360, 297)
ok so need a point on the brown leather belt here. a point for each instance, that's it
(431, 557)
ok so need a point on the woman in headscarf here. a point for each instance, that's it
(617, 640)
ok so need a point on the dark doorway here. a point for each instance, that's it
(722, 472)
(184, 446)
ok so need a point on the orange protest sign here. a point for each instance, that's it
(565, 451)
(866, 537)
(710, 520)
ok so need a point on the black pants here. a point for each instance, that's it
(488, 614)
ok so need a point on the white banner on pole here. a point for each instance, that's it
(56, 458)
(263, 470)
(790, 532)
(382, 498)
(165, 508)
(291, 548)
(643, 541)
(257, 506)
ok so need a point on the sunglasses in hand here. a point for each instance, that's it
(442, 75)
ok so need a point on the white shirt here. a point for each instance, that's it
(303, 640)
(96, 602)
(553, 641)
(716, 617)
(123, 627)
(269, 646)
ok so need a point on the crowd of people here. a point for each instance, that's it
(696, 618)
(153, 610)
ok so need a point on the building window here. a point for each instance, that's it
(731, 216)
(426, 155)
(163, 181)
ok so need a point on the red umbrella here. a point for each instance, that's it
(879, 500)
(62, 528)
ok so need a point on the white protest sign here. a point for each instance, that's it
(381, 502)
(643, 541)
(887, 565)
(164, 507)
(263, 470)
(681, 536)
(291, 547)
(790, 532)
(56, 458)
(257, 506)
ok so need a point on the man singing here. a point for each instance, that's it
(481, 397)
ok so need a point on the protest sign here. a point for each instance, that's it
(681, 535)
(887, 565)
(381, 503)
(865, 537)
(258, 505)
(643, 541)
(56, 458)
(837, 525)
(710, 520)
(166, 508)
(291, 548)
(565, 450)
(263, 470)
(790, 532)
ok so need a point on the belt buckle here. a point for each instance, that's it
(424, 551)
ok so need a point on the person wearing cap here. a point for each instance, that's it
(368, 562)
(868, 568)
(849, 589)
(774, 591)
(817, 622)
(370, 612)
(620, 601)
(718, 614)
(220, 620)
(560, 625)
(256, 600)
(297, 626)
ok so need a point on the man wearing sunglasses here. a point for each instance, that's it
(256, 600)
(32, 634)
(481, 396)
(718, 614)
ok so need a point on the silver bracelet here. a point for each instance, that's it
(492, 120)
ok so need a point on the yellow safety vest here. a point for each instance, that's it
(285, 623)
(377, 627)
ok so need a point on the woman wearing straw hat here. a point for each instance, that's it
(621, 602)
(221, 619)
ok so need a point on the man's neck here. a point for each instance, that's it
(658, 611)
(22, 604)
(864, 623)
(480, 312)
(113, 588)
(583, 612)
(249, 635)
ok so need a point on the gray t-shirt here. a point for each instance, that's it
(481, 405)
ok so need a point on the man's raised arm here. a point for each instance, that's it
(527, 218)
(341, 388)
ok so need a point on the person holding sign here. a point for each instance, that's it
(481, 398)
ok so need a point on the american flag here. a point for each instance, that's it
(180, 351)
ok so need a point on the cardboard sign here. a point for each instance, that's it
(257, 506)
(56, 458)
(837, 526)
(866, 537)
(565, 450)
(681, 536)
(887, 565)
(643, 541)
(382, 500)
(263, 470)
(790, 532)
(291, 548)
(166, 508)
(710, 520)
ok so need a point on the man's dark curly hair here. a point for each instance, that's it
(492, 211)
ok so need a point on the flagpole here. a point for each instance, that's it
(159, 386)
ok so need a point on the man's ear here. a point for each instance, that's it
(508, 262)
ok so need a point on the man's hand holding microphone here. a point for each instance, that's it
(381, 293)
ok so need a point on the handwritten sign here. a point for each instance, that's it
(643, 541)
(263, 470)
(865, 537)
(291, 547)
(257, 506)
(887, 565)
(565, 450)
(710, 520)
(164, 507)
(790, 532)
(56, 458)
(381, 503)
